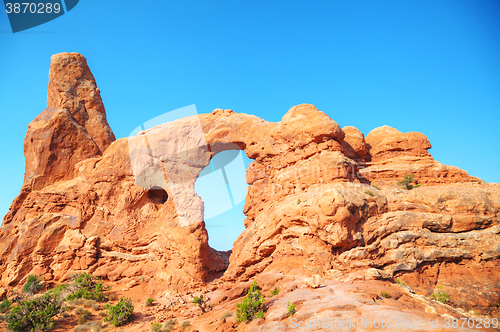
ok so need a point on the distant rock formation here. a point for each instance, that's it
(311, 207)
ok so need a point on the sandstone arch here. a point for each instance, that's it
(306, 208)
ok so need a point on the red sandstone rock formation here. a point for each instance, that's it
(127, 209)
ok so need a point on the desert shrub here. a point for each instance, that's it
(385, 294)
(275, 292)
(120, 313)
(440, 295)
(185, 325)
(88, 303)
(375, 186)
(81, 328)
(400, 282)
(83, 317)
(226, 315)
(369, 192)
(290, 307)
(200, 301)
(58, 289)
(156, 327)
(36, 314)
(5, 305)
(86, 286)
(77, 301)
(407, 182)
(95, 326)
(33, 284)
(251, 306)
(169, 325)
(3, 317)
(149, 302)
(102, 313)
(78, 310)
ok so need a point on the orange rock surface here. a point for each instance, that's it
(92, 203)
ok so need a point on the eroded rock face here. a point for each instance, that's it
(127, 209)
(72, 128)
(393, 154)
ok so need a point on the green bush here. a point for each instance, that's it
(290, 307)
(149, 302)
(385, 294)
(369, 192)
(36, 314)
(400, 282)
(251, 306)
(120, 313)
(33, 284)
(86, 286)
(375, 186)
(440, 295)
(156, 327)
(406, 183)
(200, 301)
(58, 290)
(5, 306)
(275, 292)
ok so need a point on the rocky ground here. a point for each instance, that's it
(341, 303)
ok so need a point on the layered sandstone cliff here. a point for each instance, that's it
(127, 209)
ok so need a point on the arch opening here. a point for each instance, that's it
(223, 188)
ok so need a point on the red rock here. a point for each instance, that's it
(394, 154)
(386, 140)
(354, 145)
(314, 282)
(72, 86)
(87, 203)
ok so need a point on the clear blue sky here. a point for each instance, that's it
(427, 66)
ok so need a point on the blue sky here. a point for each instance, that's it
(427, 66)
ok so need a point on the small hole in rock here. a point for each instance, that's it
(157, 195)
